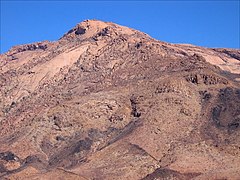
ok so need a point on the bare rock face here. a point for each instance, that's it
(109, 102)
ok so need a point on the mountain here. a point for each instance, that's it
(110, 102)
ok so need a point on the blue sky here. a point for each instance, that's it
(203, 23)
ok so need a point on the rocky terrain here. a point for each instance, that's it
(110, 102)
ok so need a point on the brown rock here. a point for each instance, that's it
(109, 102)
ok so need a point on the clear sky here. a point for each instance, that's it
(203, 23)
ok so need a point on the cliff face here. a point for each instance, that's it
(109, 102)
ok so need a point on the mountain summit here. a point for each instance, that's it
(93, 28)
(109, 102)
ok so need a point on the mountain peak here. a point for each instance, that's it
(91, 28)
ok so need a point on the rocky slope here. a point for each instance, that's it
(109, 102)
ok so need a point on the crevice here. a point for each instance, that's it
(135, 111)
